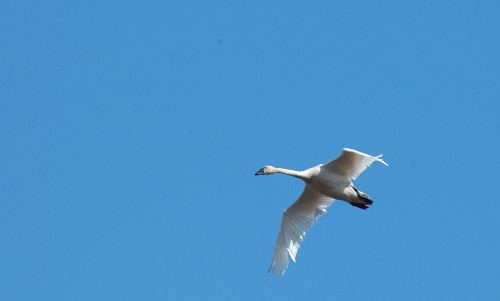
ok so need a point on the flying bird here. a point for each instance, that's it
(324, 184)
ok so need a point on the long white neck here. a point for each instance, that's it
(298, 174)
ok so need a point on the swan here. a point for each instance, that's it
(324, 184)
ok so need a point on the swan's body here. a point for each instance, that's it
(324, 184)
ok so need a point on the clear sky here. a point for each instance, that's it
(130, 132)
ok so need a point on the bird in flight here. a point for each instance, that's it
(324, 184)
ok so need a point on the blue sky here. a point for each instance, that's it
(131, 132)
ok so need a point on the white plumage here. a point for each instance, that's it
(324, 184)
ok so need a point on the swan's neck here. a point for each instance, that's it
(298, 174)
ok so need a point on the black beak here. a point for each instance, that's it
(260, 172)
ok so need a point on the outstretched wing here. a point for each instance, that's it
(351, 163)
(296, 221)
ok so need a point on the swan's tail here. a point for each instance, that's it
(363, 201)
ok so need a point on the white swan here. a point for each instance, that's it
(324, 184)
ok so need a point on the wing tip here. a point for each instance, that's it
(379, 159)
(278, 269)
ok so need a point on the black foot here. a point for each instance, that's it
(361, 206)
(363, 196)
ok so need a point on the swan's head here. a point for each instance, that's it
(266, 170)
